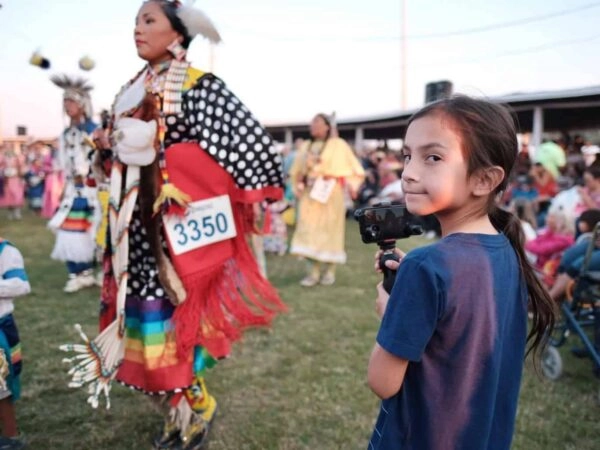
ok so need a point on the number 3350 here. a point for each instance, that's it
(194, 231)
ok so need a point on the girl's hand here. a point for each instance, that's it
(381, 301)
(390, 264)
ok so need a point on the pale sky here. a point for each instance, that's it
(289, 59)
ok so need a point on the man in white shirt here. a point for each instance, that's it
(391, 192)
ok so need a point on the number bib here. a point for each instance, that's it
(205, 222)
(322, 189)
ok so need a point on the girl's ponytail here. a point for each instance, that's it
(541, 304)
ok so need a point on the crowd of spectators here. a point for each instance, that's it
(555, 191)
(562, 176)
(28, 175)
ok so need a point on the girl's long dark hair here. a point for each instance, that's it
(489, 138)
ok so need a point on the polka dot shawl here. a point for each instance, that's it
(224, 127)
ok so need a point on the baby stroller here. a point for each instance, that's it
(578, 315)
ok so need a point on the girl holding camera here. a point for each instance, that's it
(449, 354)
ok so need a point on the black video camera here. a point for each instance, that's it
(384, 223)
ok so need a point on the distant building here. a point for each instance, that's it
(15, 143)
(535, 112)
(20, 142)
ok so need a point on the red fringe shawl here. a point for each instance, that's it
(226, 292)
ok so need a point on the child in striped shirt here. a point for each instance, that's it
(13, 283)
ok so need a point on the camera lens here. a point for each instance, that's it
(374, 231)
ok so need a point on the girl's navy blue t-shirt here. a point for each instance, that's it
(458, 313)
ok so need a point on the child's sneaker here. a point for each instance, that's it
(72, 284)
(78, 282)
(87, 279)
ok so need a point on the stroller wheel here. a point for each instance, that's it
(551, 363)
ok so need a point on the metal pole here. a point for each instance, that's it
(289, 138)
(359, 138)
(538, 128)
(403, 54)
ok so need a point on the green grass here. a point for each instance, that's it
(299, 385)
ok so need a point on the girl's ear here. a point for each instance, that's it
(485, 181)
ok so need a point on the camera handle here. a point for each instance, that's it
(388, 254)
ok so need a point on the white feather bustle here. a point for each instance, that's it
(197, 23)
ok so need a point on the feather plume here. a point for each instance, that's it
(76, 89)
(76, 84)
(196, 22)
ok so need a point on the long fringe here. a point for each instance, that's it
(182, 415)
(4, 369)
(96, 362)
(223, 303)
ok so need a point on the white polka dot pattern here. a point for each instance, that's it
(223, 127)
(143, 274)
(226, 129)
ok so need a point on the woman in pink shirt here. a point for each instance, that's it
(556, 237)
(589, 193)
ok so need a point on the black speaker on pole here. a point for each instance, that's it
(437, 90)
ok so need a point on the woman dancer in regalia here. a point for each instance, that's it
(76, 220)
(189, 161)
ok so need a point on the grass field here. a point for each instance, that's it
(299, 385)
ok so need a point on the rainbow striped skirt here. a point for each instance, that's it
(151, 363)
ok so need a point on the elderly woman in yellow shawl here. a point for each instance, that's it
(324, 168)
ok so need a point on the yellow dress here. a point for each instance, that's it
(320, 227)
(103, 197)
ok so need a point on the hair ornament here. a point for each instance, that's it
(196, 22)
